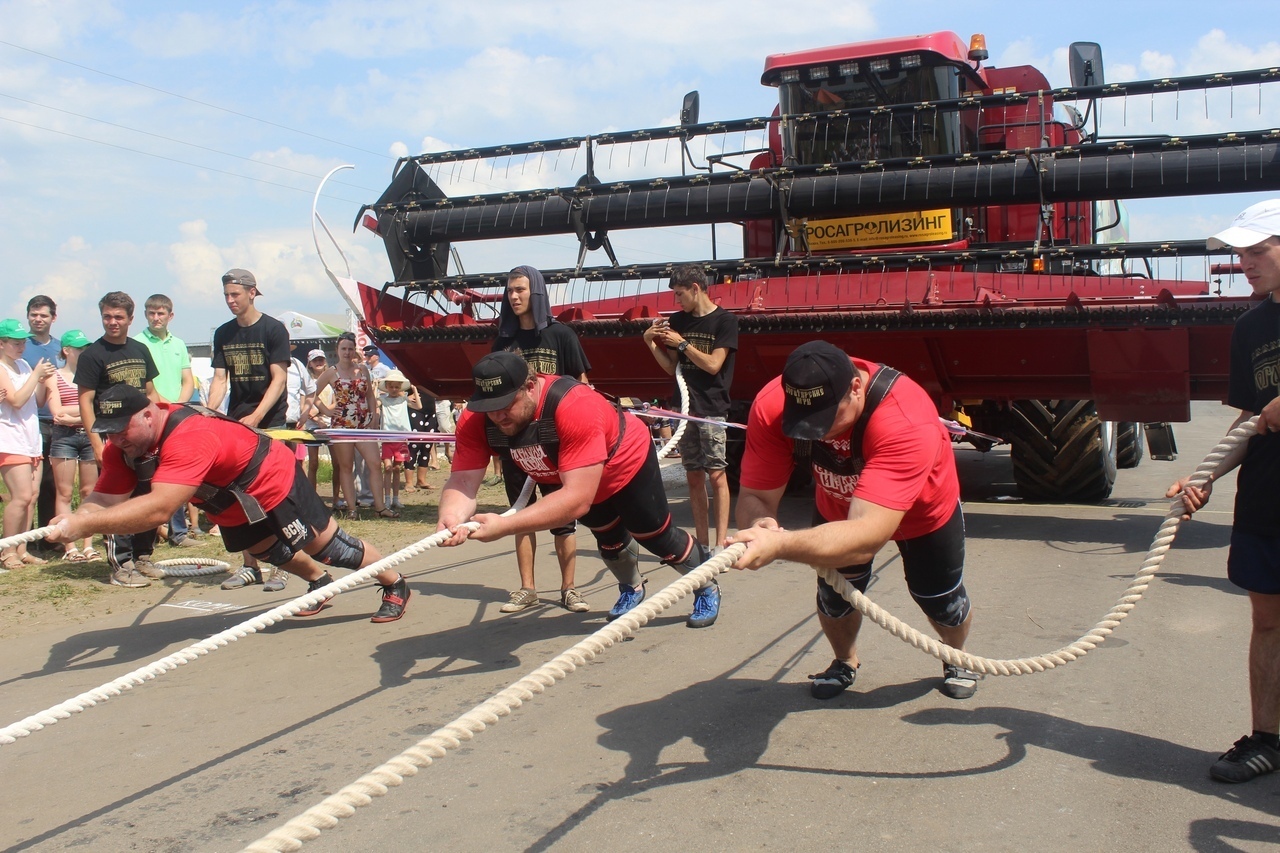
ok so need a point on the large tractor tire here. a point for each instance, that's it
(1130, 443)
(1061, 450)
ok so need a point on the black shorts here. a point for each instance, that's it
(933, 563)
(1253, 563)
(513, 478)
(296, 520)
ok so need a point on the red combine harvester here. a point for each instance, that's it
(904, 202)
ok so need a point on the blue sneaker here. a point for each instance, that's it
(706, 607)
(627, 600)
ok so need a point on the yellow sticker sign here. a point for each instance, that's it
(881, 229)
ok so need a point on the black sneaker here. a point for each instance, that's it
(958, 682)
(395, 598)
(1247, 759)
(833, 681)
(323, 580)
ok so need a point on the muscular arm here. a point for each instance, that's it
(832, 545)
(755, 504)
(458, 502)
(560, 507)
(121, 514)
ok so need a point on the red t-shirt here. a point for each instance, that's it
(909, 464)
(207, 450)
(587, 424)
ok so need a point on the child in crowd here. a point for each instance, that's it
(394, 407)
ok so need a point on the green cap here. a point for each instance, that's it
(14, 330)
(74, 338)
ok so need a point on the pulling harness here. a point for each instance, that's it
(213, 497)
(820, 454)
(542, 431)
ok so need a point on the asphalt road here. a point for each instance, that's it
(686, 739)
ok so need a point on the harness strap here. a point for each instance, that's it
(545, 425)
(214, 498)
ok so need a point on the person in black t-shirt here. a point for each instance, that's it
(525, 326)
(1253, 562)
(116, 359)
(701, 337)
(251, 355)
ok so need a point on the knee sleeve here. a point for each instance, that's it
(343, 550)
(949, 609)
(624, 561)
(832, 603)
(277, 555)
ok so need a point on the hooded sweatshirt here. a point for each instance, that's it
(550, 347)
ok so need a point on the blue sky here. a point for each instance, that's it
(149, 146)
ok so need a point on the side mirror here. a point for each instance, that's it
(1085, 61)
(689, 111)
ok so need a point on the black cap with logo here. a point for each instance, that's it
(115, 406)
(498, 376)
(816, 378)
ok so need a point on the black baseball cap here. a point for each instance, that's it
(816, 378)
(115, 406)
(498, 376)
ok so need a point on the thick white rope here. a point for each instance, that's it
(35, 722)
(202, 565)
(674, 441)
(28, 536)
(342, 804)
(192, 567)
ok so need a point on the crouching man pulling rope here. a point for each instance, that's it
(562, 433)
(248, 484)
(884, 469)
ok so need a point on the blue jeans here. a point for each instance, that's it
(178, 526)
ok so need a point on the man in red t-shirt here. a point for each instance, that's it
(884, 469)
(561, 432)
(249, 485)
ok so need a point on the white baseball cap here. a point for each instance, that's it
(1254, 225)
(316, 353)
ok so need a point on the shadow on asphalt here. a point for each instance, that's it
(1131, 532)
(240, 816)
(711, 715)
(1118, 753)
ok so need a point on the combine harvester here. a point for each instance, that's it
(905, 202)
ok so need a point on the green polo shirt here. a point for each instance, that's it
(171, 358)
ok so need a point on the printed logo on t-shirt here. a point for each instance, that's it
(243, 358)
(128, 371)
(839, 486)
(542, 359)
(532, 460)
(1266, 366)
(701, 341)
